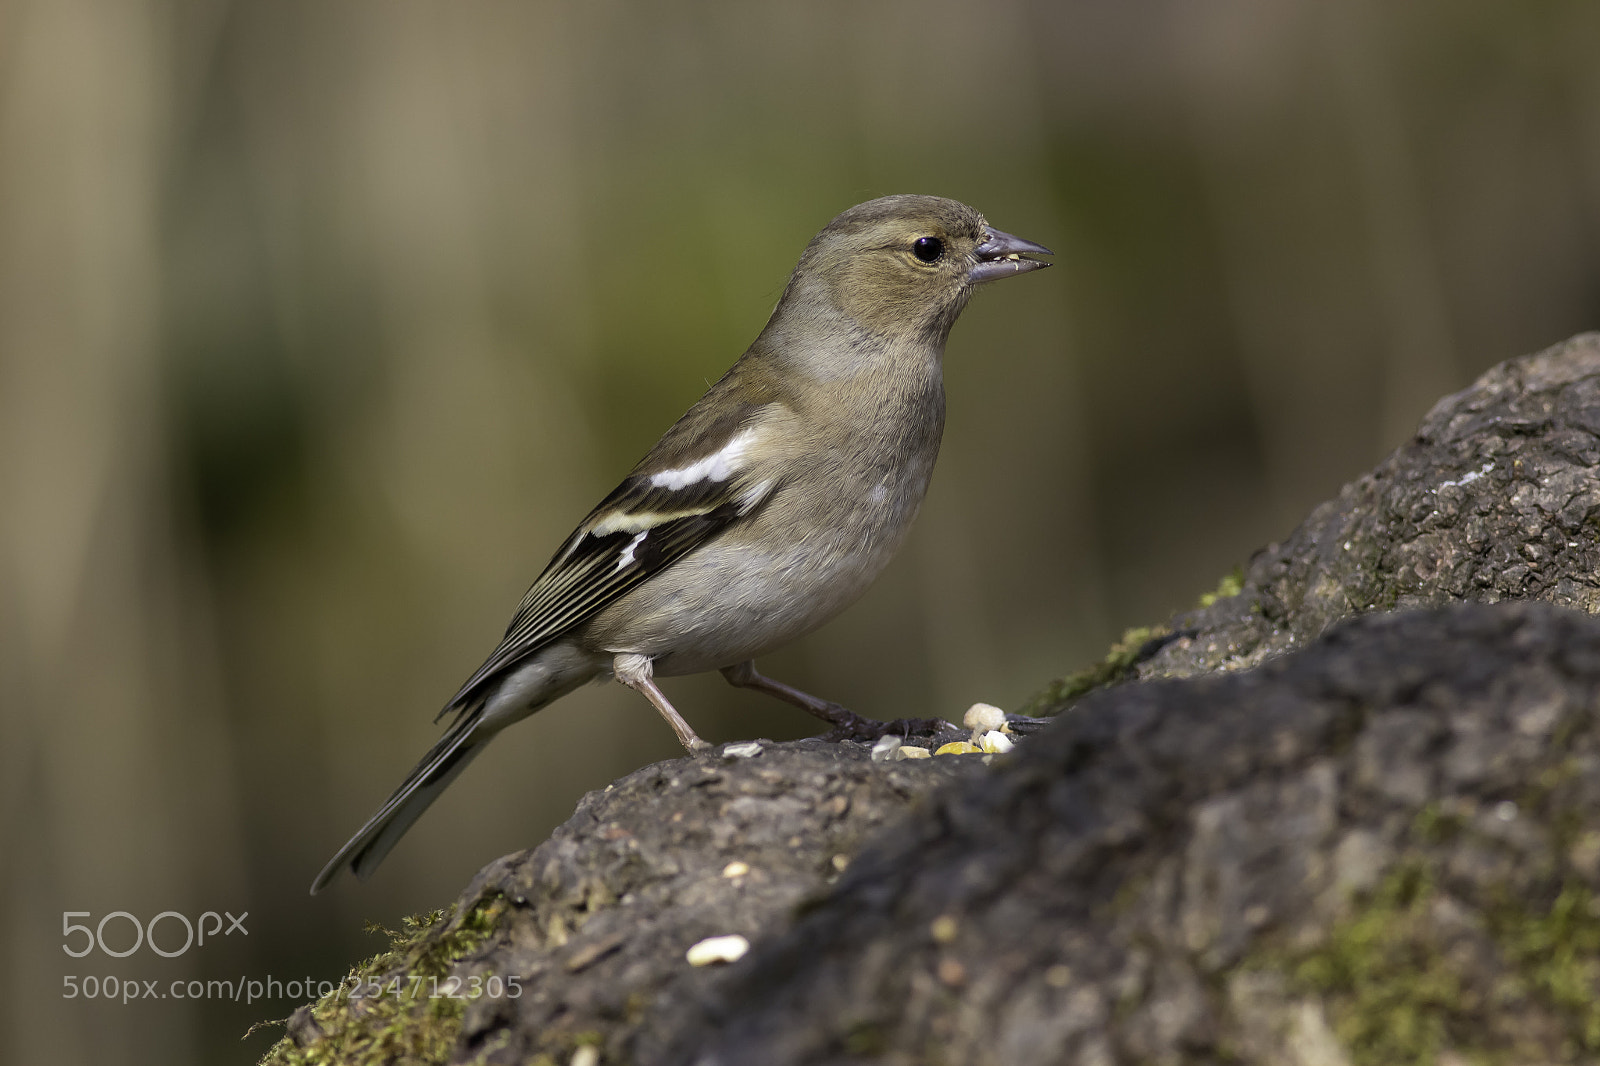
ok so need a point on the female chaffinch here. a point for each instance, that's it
(762, 513)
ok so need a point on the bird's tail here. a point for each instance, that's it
(422, 786)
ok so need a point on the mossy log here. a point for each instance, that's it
(1273, 832)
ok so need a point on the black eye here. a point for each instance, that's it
(928, 249)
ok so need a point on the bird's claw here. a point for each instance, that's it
(850, 726)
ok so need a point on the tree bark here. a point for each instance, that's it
(1289, 834)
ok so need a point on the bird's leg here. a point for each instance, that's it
(634, 671)
(846, 725)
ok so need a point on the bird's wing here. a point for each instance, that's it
(674, 501)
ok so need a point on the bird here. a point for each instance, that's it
(761, 513)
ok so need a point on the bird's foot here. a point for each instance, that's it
(848, 725)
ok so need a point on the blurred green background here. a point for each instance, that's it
(322, 323)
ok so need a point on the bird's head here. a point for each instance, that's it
(908, 264)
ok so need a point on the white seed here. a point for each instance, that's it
(982, 717)
(883, 750)
(995, 742)
(587, 1055)
(718, 949)
(735, 869)
(747, 750)
(910, 751)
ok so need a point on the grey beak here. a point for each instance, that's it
(1001, 255)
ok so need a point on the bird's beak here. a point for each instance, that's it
(1001, 255)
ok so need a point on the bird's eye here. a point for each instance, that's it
(927, 249)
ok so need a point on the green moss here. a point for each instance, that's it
(1124, 655)
(1434, 825)
(397, 1018)
(1395, 992)
(1557, 954)
(1392, 996)
(1231, 585)
(1117, 665)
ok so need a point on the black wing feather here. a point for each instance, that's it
(584, 577)
(589, 572)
